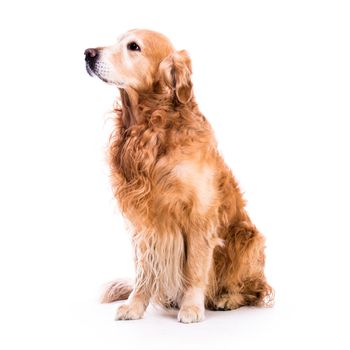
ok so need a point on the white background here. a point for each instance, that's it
(273, 78)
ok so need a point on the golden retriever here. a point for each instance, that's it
(195, 245)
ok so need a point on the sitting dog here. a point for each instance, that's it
(195, 245)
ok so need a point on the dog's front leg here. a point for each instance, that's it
(134, 307)
(199, 258)
(138, 300)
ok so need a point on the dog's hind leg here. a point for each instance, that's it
(239, 271)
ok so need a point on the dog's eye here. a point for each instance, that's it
(133, 46)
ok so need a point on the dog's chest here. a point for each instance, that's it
(156, 180)
(138, 155)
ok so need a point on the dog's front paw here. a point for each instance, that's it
(132, 311)
(190, 314)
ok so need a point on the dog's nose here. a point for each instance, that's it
(90, 54)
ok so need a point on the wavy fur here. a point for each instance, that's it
(192, 235)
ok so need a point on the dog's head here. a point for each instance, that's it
(141, 60)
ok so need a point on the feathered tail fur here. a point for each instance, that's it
(117, 290)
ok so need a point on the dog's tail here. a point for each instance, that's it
(117, 290)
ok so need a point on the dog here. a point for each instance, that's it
(195, 246)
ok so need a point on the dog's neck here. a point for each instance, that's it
(136, 107)
(129, 101)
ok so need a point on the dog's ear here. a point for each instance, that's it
(175, 73)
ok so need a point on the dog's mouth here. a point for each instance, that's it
(93, 72)
(89, 70)
(96, 71)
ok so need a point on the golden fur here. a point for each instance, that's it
(194, 242)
